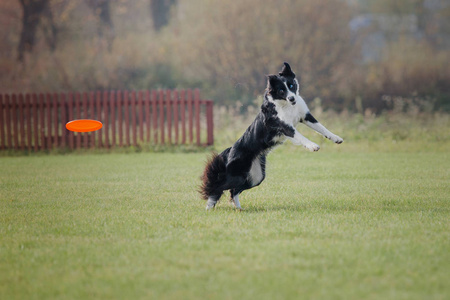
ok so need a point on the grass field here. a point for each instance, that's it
(324, 225)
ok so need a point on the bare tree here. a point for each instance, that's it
(102, 11)
(160, 11)
(34, 13)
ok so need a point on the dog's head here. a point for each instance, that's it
(284, 86)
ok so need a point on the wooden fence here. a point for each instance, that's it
(37, 121)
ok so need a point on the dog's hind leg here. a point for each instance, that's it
(235, 199)
(312, 123)
(212, 201)
(236, 202)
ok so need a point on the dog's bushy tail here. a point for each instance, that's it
(213, 177)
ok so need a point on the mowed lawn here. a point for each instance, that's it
(324, 225)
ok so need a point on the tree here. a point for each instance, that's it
(36, 12)
(102, 11)
(160, 11)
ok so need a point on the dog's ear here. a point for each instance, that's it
(286, 71)
(271, 79)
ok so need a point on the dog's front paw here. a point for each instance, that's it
(312, 147)
(337, 139)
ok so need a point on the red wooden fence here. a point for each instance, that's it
(37, 121)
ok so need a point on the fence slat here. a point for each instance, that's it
(14, 119)
(154, 117)
(28, 118)
(8, 121)
(2, 125)
(92, 116)
(70, 116)
(119, 117)
(169, 115)
(197, 115)
(34, 99)
(127, 118)
(133, 117)
(21, 122)
(147, 114)
(190, 116)
(98, 99)
(105, 118)
(183, 117)
(42, 120)
(77, 115)
(49, 120)
(140, 117)
(210, 122)
(112, 96)
(55, 120)
(161, 116)
(62, 105)
(175, 115)
(85, 135)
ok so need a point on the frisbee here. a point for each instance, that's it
(84, 125)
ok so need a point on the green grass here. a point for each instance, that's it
(324, 225)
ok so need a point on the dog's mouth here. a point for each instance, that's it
(293, 102)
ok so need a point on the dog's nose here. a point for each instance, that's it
(291, 98)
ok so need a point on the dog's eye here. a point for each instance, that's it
(281, 92)
(291, 86)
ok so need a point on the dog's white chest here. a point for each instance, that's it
(256, 173)
(289, 114)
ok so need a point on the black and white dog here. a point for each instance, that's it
(242, 166)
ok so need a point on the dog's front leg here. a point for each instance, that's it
(297, 139)
(312, 123)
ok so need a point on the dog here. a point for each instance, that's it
(242, 166)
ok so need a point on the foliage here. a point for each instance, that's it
(228, 49)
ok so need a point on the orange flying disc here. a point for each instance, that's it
(84, 125)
